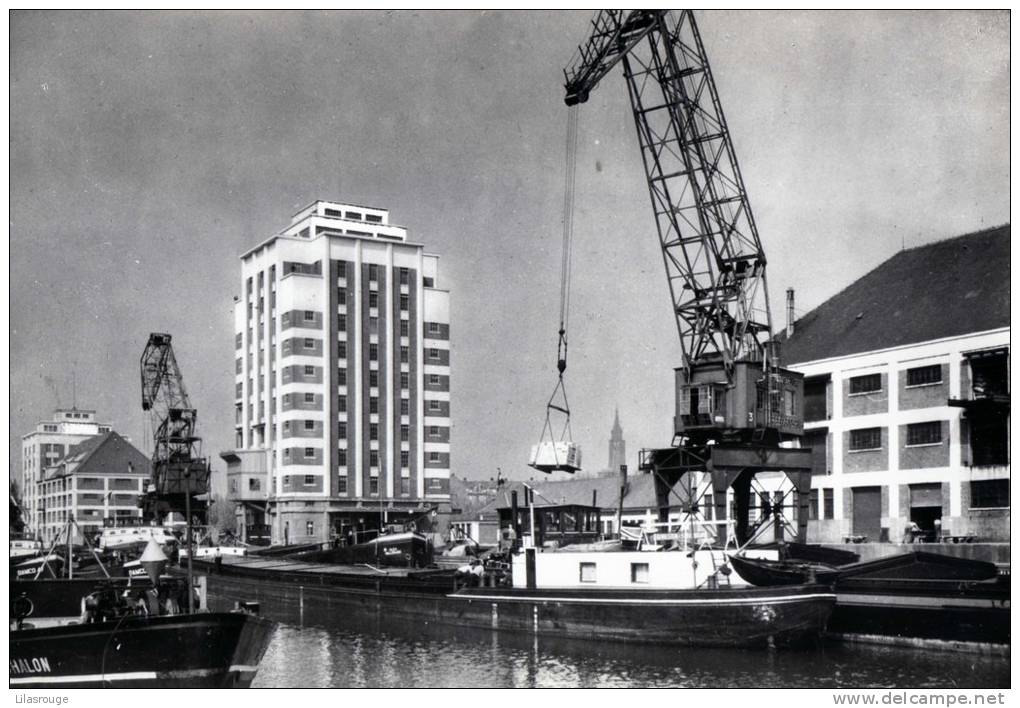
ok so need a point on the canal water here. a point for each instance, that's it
(374, 651)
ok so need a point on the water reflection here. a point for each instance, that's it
(343, 649)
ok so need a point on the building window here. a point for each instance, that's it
(433, 431)
(341, 484)
(639, 572)
(341, 378)
(342, 403)
(373, 458)
(309, 316)
(405, 406)
(405, 276)
(433, 328)
(309, 528)
(405, 458)
(434, 379)
(373, 352)
(435, 406)
(373, 271)
(405, 486)
(866, 439)
(309, 398)
(405, 433)
(373, 378)
(924, 433)
(924, 375)
(405, 379)
(373, 431)
(341, 458)
(309, 425)
(341, 323)
(404, 300)
(309, 452)
(309, 343)
(309, 480)
(373, 325)
(405, 355)
(373, 404)
(373, 299)
(373, 486)
(587, 573)
(309, 371)
(813, 506)
(989, 494)
(341, 350)
(433, 353)
(434, 456)
(871, 383)
(341, 431)
(341, 296)
(829, 505)
(405, 328)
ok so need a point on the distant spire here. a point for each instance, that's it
(617, 433)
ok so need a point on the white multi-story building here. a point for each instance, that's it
(342, 388)
(97, 484)
(46, 446)
(906, 395)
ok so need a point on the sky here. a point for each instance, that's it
(148, 150)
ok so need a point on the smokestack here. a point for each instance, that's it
(789, 312)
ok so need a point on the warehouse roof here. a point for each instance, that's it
(107, 453)
(943, 289)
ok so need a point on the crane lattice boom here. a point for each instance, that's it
(714, 260)
(178, 468)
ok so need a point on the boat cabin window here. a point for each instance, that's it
(587, 573)
(639, 572)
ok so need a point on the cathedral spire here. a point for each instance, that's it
(617, 446)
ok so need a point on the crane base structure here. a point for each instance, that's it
(732, 466)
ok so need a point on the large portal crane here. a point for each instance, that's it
(734, 404)
(179, 472)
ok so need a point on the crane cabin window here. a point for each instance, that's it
(639, 573)
(870, 383)
(587, 573)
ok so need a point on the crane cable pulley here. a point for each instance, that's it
(560, 392)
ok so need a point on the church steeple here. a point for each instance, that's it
(617, 445)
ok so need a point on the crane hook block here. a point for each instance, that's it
(563, 456)
(561, 365)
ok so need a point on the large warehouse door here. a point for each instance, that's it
(867, 503)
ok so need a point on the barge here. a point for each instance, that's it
(909, 598)
(668, 614)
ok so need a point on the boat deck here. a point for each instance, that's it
(295, 566)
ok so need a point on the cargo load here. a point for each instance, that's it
(563, 456)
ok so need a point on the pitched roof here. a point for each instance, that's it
(942, 289)
(103, 454)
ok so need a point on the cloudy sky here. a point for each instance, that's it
(148, 150)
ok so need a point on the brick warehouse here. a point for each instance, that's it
(906, 396)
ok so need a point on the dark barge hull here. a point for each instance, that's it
(747, 617)
(207, 650)
(946, 610)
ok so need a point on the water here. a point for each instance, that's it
(370, 650)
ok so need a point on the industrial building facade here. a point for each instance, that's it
(906, 397)
(342, 387)
(46, 446)
(97, 484)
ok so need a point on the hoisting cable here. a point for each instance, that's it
(559, 393)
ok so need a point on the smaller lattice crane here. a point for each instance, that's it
(179, 472)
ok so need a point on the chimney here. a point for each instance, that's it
(789, 312)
